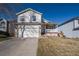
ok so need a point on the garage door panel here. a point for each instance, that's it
(31, 32)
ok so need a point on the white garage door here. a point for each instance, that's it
(30, 31)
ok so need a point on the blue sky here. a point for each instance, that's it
(53, 12)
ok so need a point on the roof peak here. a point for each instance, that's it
(28, 9)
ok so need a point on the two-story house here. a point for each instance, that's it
(28, 23)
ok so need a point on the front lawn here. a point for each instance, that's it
(53, 46)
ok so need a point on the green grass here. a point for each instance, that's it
(53, 46)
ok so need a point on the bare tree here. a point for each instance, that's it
(8, 9)
(22, 27)
(17, 29)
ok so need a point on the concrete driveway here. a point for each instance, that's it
(19, 47)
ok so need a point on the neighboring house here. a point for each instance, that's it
(70, 28)
(3, 25)
(7, 27)
(28, 23)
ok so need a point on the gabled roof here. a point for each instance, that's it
(28, 9)
(75, 18)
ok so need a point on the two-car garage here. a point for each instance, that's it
(29, 31)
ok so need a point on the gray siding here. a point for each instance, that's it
(68, 31)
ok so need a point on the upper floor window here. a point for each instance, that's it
(76, 24)
(3, 23)
(22, 18)
(33, 18)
